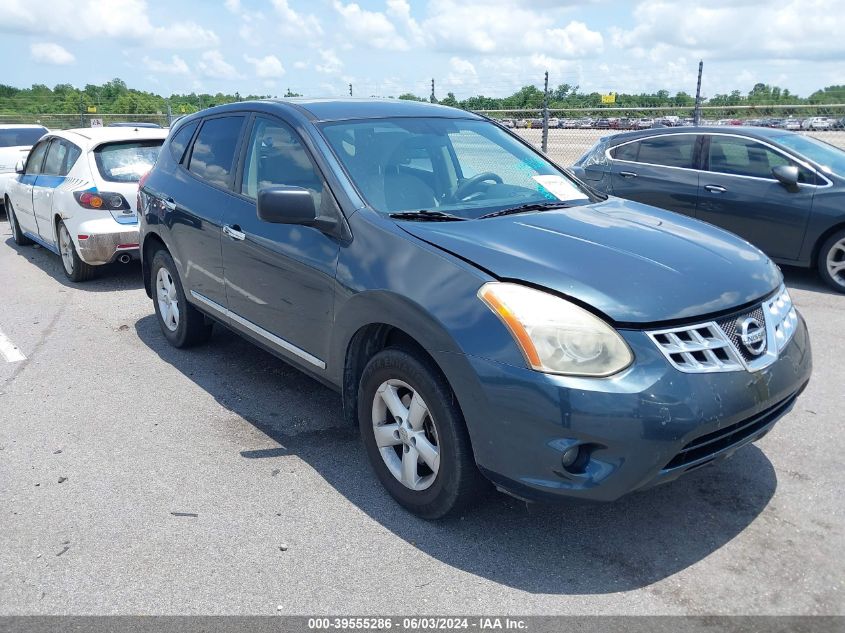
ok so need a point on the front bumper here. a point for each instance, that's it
(648, 425)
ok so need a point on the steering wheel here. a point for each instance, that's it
(470, 184)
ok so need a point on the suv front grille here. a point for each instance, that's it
(731, 327)
(718, 346)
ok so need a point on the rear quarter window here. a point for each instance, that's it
(179, 143)
(126, 161)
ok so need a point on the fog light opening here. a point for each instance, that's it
(574, 459)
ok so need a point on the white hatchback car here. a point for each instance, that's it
(76, 195)
(15, 143)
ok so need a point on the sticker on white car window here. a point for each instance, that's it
(559, 187)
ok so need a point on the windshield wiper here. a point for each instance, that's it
(426, 216)
(525, 208)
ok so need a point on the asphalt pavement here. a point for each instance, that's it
(140, 479)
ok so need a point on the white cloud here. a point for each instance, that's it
(401, 11)
(370, 27)
(233, 5)
(50, 53)
(462, 72)
(330, 63)
(736, 30)
(295, 24)
(267, 67)
(125, 20)
(176, 65)
(506, 28)
(213, 66)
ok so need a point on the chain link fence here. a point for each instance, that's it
(68, 121)
(571, 132)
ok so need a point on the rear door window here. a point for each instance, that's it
(677, 150)
(55, 158)
(628, 151)
(213, 152)
(126, 161)
(61, 158)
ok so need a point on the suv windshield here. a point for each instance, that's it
(830, 158)
(467, 168)
(21, 136)
(127, 162)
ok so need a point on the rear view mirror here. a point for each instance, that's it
(787, 175)
(19, 167)
(286, 205)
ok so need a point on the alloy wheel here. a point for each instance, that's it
(406, 434)
(836, 262)
(168, 299)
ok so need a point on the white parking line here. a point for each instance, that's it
(9, 350)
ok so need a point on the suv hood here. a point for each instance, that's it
(632, 262)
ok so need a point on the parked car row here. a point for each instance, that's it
(486, 316)
(640, 123)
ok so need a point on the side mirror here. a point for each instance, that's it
(787, 175)
(286, 205)
(19, 167)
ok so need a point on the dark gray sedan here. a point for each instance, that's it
(783, 192)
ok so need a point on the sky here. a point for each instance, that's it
(389, 47)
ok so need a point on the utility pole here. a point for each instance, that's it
(545, 143)
(81, 117)
(350, 90)
(433, 98)
(696, 117)
(169, 114)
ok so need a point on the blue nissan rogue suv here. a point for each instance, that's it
(485, 315)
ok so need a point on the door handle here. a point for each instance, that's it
(234, 232)
(715, 188)
(169, 203)
(627, 174)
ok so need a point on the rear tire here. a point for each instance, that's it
(440, 476)
(180, 322)
(75, 269)
(831, 262)
(19, 238)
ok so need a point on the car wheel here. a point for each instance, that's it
(832, 261)
(75, 269)
(181, 323)
(17, 235)
(415, 435)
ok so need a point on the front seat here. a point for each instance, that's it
(402, 191)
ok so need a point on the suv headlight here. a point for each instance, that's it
(556, 336)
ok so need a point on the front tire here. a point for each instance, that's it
(75, 269)
(415, 435)
(831, 261)
(180, 322)
(17, 235)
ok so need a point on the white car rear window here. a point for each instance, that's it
(127, 161)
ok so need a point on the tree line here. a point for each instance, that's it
(117, 98)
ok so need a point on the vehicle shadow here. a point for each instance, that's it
(806, 279)
(109, 278)
(562, 549)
